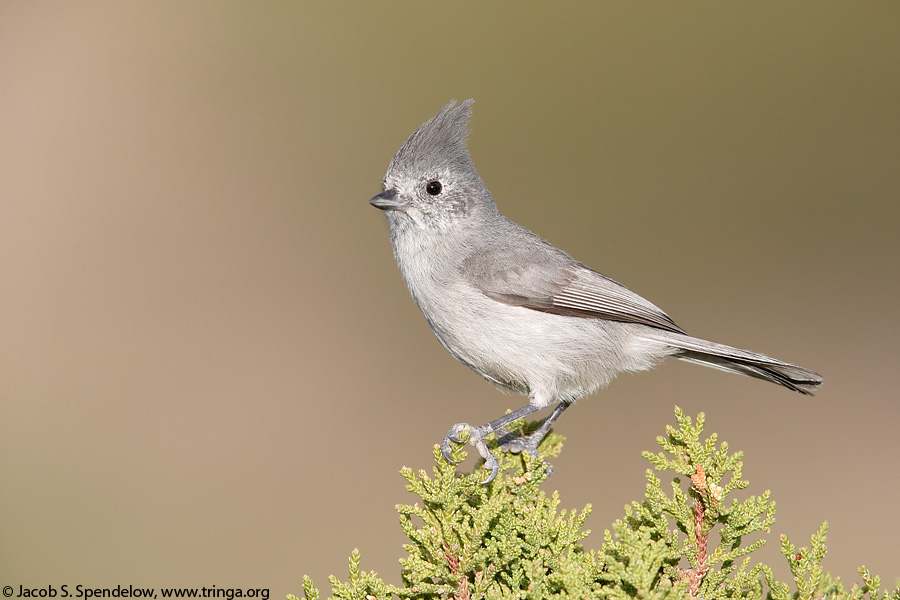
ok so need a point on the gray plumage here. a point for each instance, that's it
(513, 307)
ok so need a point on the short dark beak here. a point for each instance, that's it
(388, 200)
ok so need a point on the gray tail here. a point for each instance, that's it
(734, 360)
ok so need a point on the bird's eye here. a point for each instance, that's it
(433, 187)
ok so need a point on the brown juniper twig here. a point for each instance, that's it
(453, 563)
(695, 576)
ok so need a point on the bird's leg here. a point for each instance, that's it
(529, 443)
(477, 435)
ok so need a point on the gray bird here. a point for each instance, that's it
(515, 309)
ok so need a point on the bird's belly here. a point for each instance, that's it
(549, 357)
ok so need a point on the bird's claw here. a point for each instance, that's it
(490, 462)
(529, 444)
(516, 445)
(476, 439)
(452, 436)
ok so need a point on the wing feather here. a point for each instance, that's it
(562, 286)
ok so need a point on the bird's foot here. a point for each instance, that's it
(476, 438)
(525, 443)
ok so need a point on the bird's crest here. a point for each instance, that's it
(439, 143)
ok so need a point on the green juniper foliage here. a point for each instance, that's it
(509, 540)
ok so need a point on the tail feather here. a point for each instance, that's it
(735, 360)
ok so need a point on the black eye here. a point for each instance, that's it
(433, 188)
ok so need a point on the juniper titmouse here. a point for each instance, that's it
(516, 309)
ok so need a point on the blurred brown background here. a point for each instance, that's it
(210, 370)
